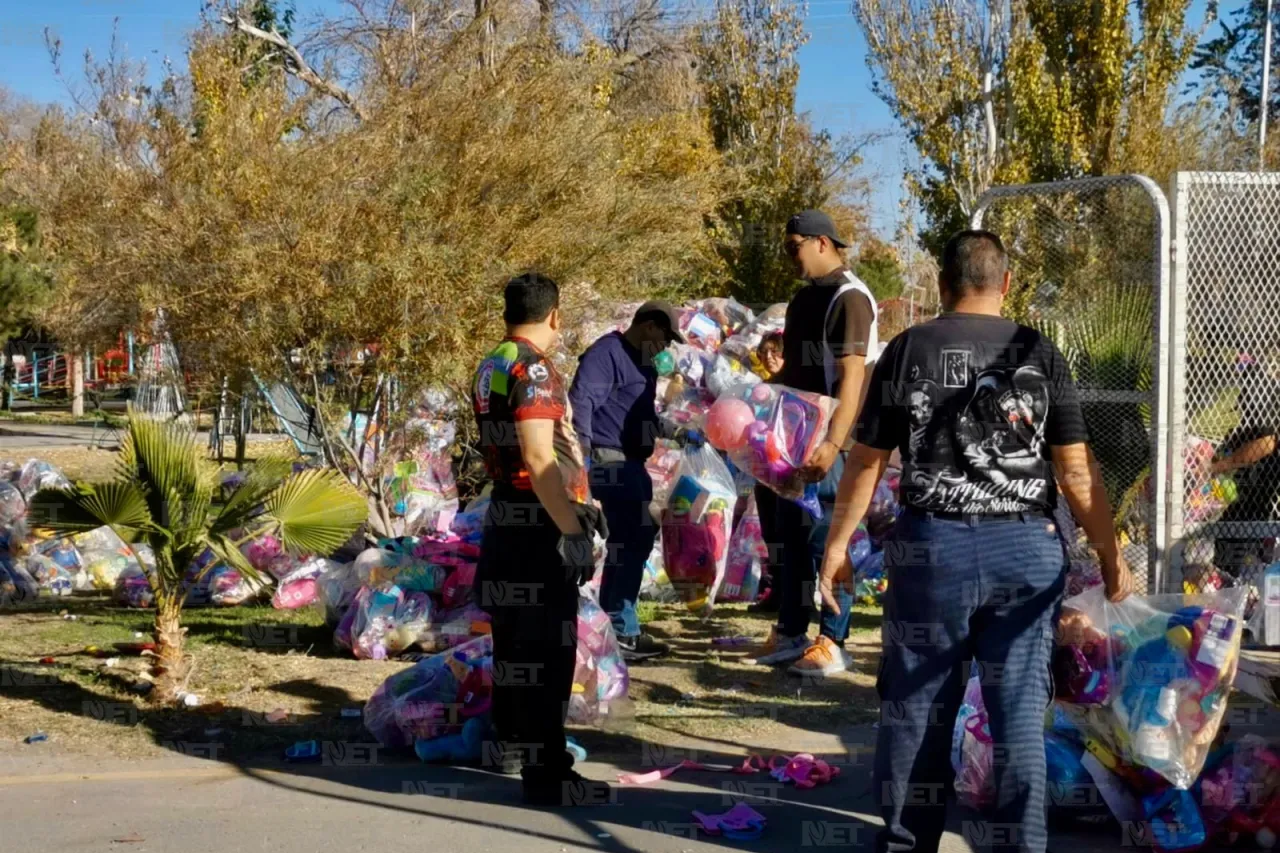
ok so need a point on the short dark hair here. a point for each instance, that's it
(973, 261)
(529, 298)
(773, 340)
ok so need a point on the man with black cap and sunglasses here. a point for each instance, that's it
(613, 397)
(829, 341)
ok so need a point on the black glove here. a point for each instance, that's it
(578, 556)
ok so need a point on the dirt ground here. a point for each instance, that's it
(251, 661)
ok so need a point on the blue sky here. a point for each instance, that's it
(834, 81)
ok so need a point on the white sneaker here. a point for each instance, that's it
(778, 649)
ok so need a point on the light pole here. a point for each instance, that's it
(1263, 94)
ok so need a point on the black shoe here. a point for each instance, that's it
(640, 648)
(566, 788)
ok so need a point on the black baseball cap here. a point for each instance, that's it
(815, 223)
(662, 313)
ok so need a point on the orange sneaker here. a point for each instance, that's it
(777, 649)
(822, 658)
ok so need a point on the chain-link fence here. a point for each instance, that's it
(1225, 394)
(1090, 267)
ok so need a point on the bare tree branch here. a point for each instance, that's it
(297, 65)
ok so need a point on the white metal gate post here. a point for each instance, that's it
(1177, 371)
(1158, 544)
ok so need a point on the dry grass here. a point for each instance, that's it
(84, 463)
(250, 661)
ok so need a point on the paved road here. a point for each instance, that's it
(201, 806)
(15, 435)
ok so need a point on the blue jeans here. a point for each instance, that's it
(987, 591)
(624, 490)
(802, 540)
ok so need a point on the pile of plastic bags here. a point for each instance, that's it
(1141, 692)
(440, 705)
(409, 593)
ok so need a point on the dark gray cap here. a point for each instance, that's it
(662, 313)
(815, 223)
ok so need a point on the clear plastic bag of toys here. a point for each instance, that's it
(770, 431)
(52, 577)
(37, 474)
(1170, 661)
(301, 588)
(133, 589)
(599, 676)
(972, 751)
(436, 696)
(16, 584)
(13, 507)
(748, 553)
(696, 526)
(385, 620)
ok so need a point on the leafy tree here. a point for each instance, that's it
(166, 495)
(361, 260)
(1230, 65)
(1033, 90)
(778, 164)
(25, 280)
(879, 269)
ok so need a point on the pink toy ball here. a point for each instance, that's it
(727, 423)
(761, 393)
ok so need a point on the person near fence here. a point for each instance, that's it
(987, 420)
(829, 337)
(1249, 455)
(536, 548)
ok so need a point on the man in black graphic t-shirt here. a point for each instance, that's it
(987, 420)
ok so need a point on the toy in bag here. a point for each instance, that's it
(882, 512)
(1240, 793)
(728, 375)
(599, 676)
(268, 556)
(655, 585)
(1171, 662)
(770, 431)
(972, 752)
(51, 577)
(103, 555)
(449, 628)
(663, 467)
(468, 525)
(336, 590)
(434, 697)
(13, 507)
(384, 621)
(37, 474)
(870, 580)
(696, 526)
(133, 589)
(229, 588)
(64, 553)
(302, 587)
(386, 565)
(16, 584)
(748, 554)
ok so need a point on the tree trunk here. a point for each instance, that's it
(75, 378)
(170, 666)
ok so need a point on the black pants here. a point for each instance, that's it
(521, 583)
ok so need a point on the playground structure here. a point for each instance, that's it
(49, 375)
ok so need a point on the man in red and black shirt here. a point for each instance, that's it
(536, 550)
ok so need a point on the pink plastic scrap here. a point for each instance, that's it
(803, 769)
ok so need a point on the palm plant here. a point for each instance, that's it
(165, 494)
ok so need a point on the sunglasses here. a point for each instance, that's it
(792, 247)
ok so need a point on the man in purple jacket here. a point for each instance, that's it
(612, 399)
